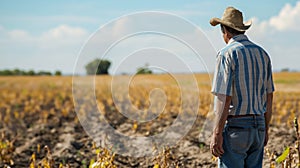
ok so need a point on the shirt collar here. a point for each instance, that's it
(239, 37)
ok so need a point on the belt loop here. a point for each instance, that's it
(255, 121)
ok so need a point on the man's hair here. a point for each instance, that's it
(231, 30)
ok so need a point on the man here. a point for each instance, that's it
(243, 87)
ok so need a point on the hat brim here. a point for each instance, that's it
(216, 21)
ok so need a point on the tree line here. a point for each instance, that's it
(101, 66)
(97, 66)
(18, 72)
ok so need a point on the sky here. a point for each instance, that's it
(53, 35)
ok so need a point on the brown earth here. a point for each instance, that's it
(47, 124)
(70, 145)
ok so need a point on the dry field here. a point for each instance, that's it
(39, 126)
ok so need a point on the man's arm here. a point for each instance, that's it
(268, 115)
(222, 111)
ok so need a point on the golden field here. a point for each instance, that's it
(39, 111)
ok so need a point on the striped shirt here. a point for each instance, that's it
(243, 71)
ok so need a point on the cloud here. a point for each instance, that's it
(281, 27)
(19, 35)
(62, 36)
(50, 19)
(286, 21)
(121, 26)
(189, 12)
(56, 48)
(288, 18)
(64, 31)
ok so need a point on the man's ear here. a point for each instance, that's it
(226, 32)
(228, 35)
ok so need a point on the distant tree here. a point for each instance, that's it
(98, 67)
(285, 70)
(144, 70)
(57, 73)
(23, 73)
(17, 72)
(44, 73)
(31, 73)
(6, 72)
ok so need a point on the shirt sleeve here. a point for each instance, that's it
(270, 83)
(223, 76)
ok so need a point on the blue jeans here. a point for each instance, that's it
(243, 142)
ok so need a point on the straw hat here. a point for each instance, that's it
(232, 18)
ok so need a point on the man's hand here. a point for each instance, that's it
(266, 138)
(216, 145)
(268, 116)
(222, 110)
